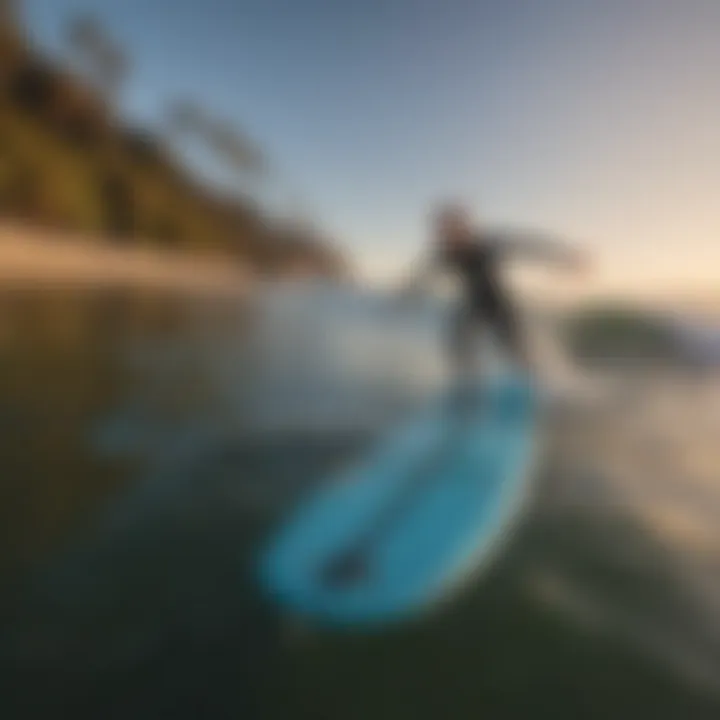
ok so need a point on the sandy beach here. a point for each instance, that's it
(33, 256)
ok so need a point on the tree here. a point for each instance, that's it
(229, 145)
(184, 117)
(8, 12)
(101, 58)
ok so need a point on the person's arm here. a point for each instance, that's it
(539, 246)
(421, 275)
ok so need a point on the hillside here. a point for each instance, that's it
(618, 334)
(68, 162)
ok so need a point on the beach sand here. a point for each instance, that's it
(31, 256)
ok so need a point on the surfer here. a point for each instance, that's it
(476, 256)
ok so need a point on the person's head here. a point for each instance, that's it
(452, 224)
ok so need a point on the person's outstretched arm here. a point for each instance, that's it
(421, 276)
(540, 246)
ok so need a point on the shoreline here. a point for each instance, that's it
(37, 257)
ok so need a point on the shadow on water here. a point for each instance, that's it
(141, 602)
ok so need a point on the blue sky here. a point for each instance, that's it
(597, 120)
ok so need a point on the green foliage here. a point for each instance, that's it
(619, 334)
(66, 163)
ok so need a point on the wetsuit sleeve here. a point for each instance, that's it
(535, 246)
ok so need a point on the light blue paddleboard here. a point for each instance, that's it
(416, 519)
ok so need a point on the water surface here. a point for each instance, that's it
(150, 444)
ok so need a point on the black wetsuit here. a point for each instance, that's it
(485, 301)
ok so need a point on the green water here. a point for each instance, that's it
(137, 485)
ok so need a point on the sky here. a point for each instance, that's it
(595, 120)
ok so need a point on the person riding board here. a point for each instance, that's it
(476, 256)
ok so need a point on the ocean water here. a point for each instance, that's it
(149, 445)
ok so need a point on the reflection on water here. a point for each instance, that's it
(148, 445)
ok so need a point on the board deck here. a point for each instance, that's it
(422, 512)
